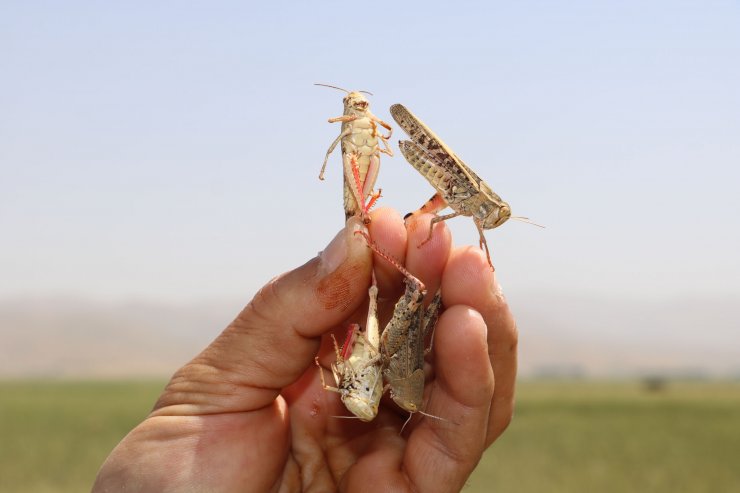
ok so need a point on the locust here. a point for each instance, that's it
(361, 151)
(357, 369)
(402, 345)
(457, 185)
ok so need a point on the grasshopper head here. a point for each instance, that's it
(405, 404)
(361, 391)
(498, 216)
(361, 407)
(355, 103)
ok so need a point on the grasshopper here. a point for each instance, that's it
(457, 185)
(360, 151)
(357, 370)
(402, 341)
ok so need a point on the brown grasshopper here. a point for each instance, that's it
(457, 185)
(360, 151)
(402, 341)
(357, 370)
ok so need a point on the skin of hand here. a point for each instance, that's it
(249, 413)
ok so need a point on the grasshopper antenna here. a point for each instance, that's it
(526, 220)
(436, 417)
(411, 415)
(334, 87)
(342, 89)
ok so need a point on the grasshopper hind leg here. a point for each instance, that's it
(357, 190)
(435, 204)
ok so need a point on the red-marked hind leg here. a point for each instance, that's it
(349, 342)
(360, 192)
(352, 175)
(433, 205)
(371, 175)
(373, 198)
(392, 260)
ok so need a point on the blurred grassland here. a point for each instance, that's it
(617, 437)
(565, 437)
(55, 435)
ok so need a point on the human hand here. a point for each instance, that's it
(249, 413)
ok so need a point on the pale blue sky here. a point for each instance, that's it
(170, 150)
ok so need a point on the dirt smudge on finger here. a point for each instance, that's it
(335, 289)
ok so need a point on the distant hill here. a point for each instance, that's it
(75, 338)
(560, 335)
(691, 337)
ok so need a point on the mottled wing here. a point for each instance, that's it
(415, 353)
(450, 181)
(428, 140)
(436, 153)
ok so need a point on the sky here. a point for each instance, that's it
(170, 150)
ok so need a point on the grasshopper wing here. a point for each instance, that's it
(436, 154)
(435, 148)
(449, 181)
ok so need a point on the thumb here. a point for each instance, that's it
(273, 340)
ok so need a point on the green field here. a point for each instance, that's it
(612, 437)
(565, 437)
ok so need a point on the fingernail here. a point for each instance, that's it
(344, 244)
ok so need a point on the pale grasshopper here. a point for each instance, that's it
(360, 152)
(457, 185)
(357, 369)
(402, 342)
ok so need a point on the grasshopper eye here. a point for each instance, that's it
(504, 213)
(497, 216)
